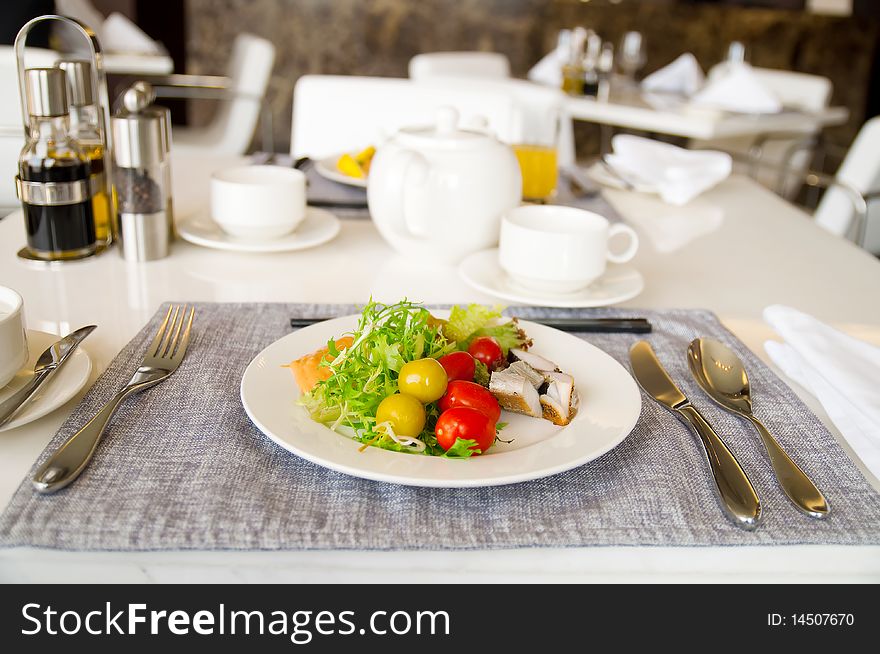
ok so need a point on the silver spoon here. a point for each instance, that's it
(722, 375)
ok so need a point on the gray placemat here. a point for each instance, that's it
(182, 467)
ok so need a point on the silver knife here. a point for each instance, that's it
(48, 363)
(737, 495)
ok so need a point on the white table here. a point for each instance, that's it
(629, 110)
(735, 250)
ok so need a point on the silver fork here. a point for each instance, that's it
(161, 359)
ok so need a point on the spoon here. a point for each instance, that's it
(721, 374)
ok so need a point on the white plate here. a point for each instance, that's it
(63, 385)
(482, 271)
(326, 168)
(610, 406)
(318, 227)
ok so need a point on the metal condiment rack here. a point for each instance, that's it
(99, 91)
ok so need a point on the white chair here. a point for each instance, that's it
(335, 113)
(540, 107)
(538, 103)
(241, 93)
(851, 204)
(11, 120)
(778, 160)
(469, 64)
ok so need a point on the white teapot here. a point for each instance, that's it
(439, 192)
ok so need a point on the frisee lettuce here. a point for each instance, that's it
(387, 336)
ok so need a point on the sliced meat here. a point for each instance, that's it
(560, 387)
(515, 393)
(559, 403)
(523, 369)
(539, 363)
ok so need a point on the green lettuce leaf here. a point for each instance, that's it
(464, 321)
(461, 449)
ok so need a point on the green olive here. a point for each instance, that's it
(424, 379)
(405, 413)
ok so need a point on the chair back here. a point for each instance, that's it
(232, 128)
(337, 113)
(11, 120)
(861, 171)
(538, 107)
(801, 91)
(469, 64)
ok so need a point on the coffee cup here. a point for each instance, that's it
(13, 336)
(554, 249)
(258, 202)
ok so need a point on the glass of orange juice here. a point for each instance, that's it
(537, 159)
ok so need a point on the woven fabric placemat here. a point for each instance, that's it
(182, 467)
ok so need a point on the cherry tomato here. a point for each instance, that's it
(465, 423)
(487, 350)
(405, 413)
(459, 365)
(424, 379)
(465, 393)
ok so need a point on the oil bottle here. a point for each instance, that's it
(53, 180)
(85, 128)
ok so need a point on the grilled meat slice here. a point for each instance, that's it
(523, 369)
(515, 393)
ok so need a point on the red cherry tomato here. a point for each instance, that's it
(487, 350)
(465, 393)
(459, 365)
(465, 423)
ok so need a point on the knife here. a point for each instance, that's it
(584, 325)
(737, 495)
(48, 363)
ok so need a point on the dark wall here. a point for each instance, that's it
(378, 37)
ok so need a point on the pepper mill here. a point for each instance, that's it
(142, 175)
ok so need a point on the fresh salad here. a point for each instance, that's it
(407, 381)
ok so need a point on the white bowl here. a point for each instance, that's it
(258, 202)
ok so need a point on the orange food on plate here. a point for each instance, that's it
(306, 370)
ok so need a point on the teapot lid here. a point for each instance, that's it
(445, 130)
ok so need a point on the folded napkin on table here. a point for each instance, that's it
(548, 71)
(676, 174)
(683, 76)
(737, 88)
(841, 371)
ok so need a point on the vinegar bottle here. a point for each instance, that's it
(53, 174)
(85, 129)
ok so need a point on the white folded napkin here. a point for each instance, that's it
(676, 174)
(737, 89)
(119, 34)
(683, 76)
(548, 71)
(841, 371)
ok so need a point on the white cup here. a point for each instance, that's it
(556, 249)
(258, 202)
(13, 336)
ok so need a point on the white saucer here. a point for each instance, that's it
(318, 227)
(327, 169)
(66, 383)
(482, 271)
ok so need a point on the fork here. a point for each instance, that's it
(160, 361)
